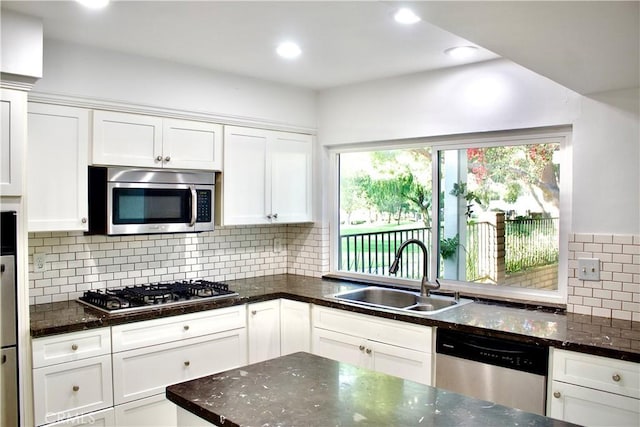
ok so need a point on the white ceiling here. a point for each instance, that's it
(586, 46)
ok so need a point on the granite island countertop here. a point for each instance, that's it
(619, 339)
(304, 389)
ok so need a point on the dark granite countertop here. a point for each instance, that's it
(306, 390)
(589, 334)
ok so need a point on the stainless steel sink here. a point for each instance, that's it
(397, 299)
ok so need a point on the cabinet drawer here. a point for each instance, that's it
(145, 372)
(72, 389)
(70, 347)
(102, 418)
(373, 328)
(588, 407)
(169, 329)
(152, 411)
(601, 373)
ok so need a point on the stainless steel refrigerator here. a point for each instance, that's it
(8, 335)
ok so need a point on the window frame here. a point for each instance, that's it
(556, 134)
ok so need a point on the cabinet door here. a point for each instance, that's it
(71, 389)
(340, 347)
(191, 145)
(145, 372)
(290, 169)
(245, 184)
(152, 411)
(123, 139)
(588, 407)
(263, 325)
(57, 162)
(401, 362)
(295, 326)
(13, 107)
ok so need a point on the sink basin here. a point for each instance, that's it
(397, 299)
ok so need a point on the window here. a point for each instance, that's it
(493, 229)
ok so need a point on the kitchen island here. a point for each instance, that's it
(302, 389)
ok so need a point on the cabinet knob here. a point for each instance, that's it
(254, 312)
(187, 363)
(556, 394)
(76, 388)
(368, 351)
(361, 348)
(275, 215)
(616, 377)
(74, 347)
(269, 216)
(83, 220)
(185, 327)
(159, 159)
(167, 159)
(4, 359)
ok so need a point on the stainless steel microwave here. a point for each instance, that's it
(146, 201)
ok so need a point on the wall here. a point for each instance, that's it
(605, 150)
(79, 71)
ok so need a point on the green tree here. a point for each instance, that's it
(352, 195)
(385, 195)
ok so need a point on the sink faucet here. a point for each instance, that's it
(425, 286)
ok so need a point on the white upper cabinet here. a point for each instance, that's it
(267, 177)
(57, 162)
(124, 139)
(12, 139)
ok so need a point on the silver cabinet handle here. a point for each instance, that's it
(361, 348)
(185, 327)
(616, 377)
(368, 351)
(275, 215)
(269, 216)
(83, 220)
(76, 388)
(4, 359)
(167, 159)
(74, 347)
(159, 159)
(556, 394)
(187, 363)
(254, 312)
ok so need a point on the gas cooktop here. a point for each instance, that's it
(154, 295)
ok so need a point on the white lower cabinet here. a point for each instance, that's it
(295, 326)
(263, 325)
(71, 376)
(392, 347)
(593, 390)
(192, 346)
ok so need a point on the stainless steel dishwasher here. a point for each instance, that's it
(506, 372)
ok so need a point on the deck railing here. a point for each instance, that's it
(528, 243)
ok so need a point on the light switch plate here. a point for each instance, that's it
(278, 246)
(588, 269)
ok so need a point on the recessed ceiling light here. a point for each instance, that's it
(289, 50)
(406, 16)
(461, 52)
(94, 4)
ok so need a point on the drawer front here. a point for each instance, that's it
(72, 389)
(70, 347)
(104, 418)
(585, 406)
(169, 329)
(147, 371)
(152, 411)
(601, 373)
(388, 331)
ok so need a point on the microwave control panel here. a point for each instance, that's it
(204, 205)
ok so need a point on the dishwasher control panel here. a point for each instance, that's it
(494, 351)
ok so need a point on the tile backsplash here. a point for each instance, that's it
(617, 293)
(76, 262)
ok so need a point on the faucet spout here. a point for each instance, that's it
(425, 285)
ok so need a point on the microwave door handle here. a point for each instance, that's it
(194, 205)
